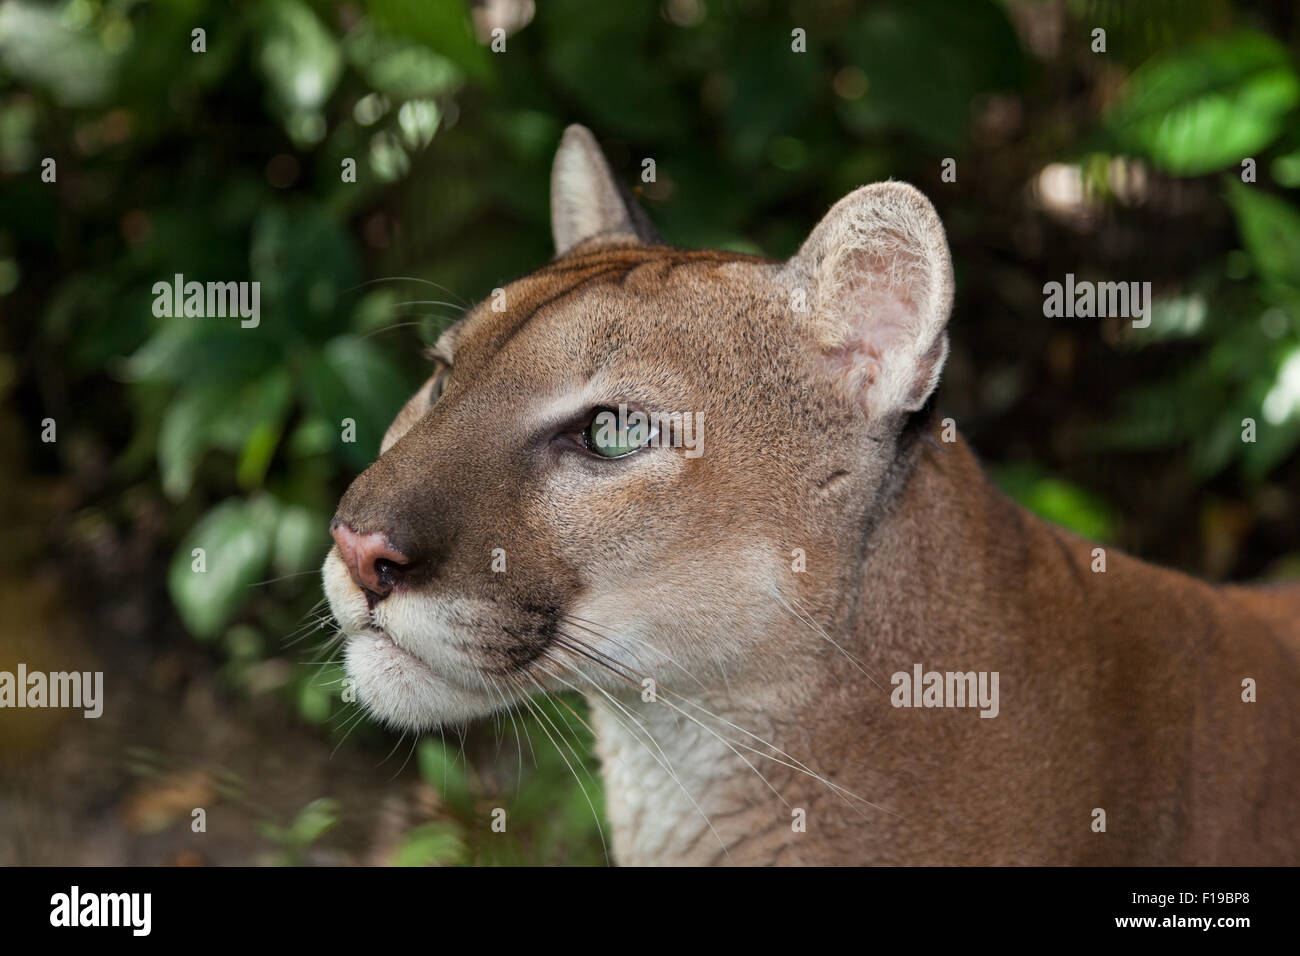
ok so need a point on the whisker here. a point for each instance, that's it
(579, 622)
(585, 650)
(808, 619)
(666, 764)
(790, 762)
(285, 577)
(361, 285)
(390, 753)
(547, 695)
(450, 305)
(594, 815)
(392, 328)
(361, 713)
(510, 712)
(794, 763)
(415, 741)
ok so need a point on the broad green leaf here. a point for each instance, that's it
(183, 349)
(255, 457)
(183, 437)
(236, 543)
(1286, 169)
(1270, 230)
(1278, 425)
(301, 539)
(222, 412)
(313, 436)
(1207, 106)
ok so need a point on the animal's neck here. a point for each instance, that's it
(948, 534)
(686, 781)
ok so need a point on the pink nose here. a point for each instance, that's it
(372, 561)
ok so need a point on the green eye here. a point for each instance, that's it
(612, 435)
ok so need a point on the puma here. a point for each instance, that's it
(735, 618)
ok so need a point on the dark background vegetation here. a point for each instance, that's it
(225, 165)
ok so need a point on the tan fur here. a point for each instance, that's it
(1119, 690)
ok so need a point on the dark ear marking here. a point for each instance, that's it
(641, 224)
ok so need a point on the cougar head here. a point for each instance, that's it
(621, 461)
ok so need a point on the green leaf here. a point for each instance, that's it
(400, 69)
(39, 49)
(1209, 105)
(236, 544)
(258, 450)
(431, 844)
(182, 437)
(441, 25)
(299, 57)
(1286, 169)
(221, 411)
(314, 821)
(315, 702)
(1270, 230)
(184, 348)
(301, 539)
(1057, 500)
(352, 379)
(1278, 425)
(441, 769)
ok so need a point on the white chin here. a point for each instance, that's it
(402, 691)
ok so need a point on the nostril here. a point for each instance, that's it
(372, 561)
(386, 572)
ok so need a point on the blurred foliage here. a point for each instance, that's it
(313, 821)
(228, 164)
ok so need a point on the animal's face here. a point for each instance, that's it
(516, 534)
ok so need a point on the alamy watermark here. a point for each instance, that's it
(923, 688)
(1098, 300)
(130, 910)
(75, 689)
(216, 300)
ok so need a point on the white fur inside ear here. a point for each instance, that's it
(585, 202)
(878, 276)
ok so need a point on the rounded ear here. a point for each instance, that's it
(586, 200)
(875, 282)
